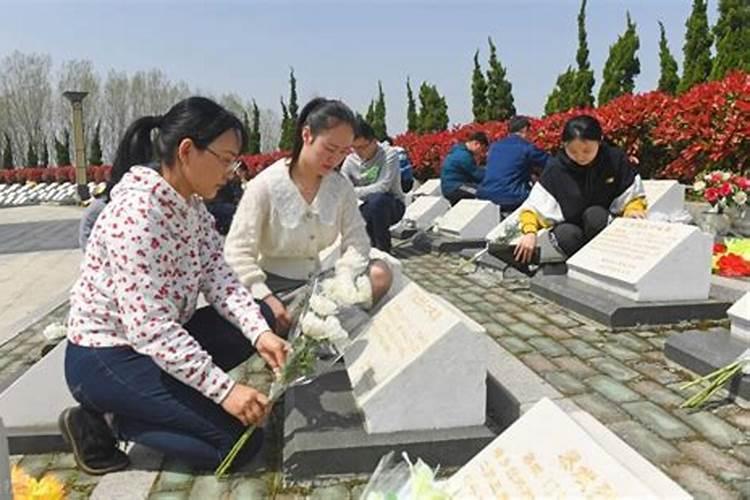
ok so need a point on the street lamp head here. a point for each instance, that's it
(74, 96)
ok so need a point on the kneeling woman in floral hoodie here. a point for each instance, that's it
(138, 350)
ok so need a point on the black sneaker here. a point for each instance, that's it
(94, 447)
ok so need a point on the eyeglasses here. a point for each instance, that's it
(234, 165)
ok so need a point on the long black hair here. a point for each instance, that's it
(320, 114)
(156, 138)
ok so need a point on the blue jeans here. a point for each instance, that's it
(381, 211)
(152, 408)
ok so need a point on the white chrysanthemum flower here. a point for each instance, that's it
(334, 331)
(726, 176)
(55, 331)
(351, 262)
(341, 289)
(364, 291)
(699, 186)
(313, 326)
(740, 198)
(322, 306)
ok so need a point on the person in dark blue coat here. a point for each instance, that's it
(507, 181)
(460, 175)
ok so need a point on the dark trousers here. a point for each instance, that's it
(571, 237)
(381, 211)
(152, 408)
(463, 192)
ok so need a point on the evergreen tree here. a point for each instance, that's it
(378, 121)
(293, 107)
(7, 152)
(622, 65)
(95, 154)
(248, 132)
(561, 97)
(370, 115)
(574, 87)
(62, 149)
(499, 90)
(669, 78)
(732, 34)
(478, 92)
(433, 109)
(44, 157)
(697, 48)
(287, 129)
(412, 118)
(253, 143)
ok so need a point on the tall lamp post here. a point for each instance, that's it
(76, 100)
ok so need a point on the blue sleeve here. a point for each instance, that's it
(470, 168)
(537, 156)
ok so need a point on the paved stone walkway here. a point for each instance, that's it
(621, 378)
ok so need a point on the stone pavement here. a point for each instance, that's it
(39, 260)
(621, 378)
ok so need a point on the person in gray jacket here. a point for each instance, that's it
(373, 168)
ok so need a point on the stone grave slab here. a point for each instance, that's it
(616, 311)
(665, 198)
(324, 430)
(430, 187)
(703, 352)
(550, 454)
(739, 315)
(420, 215)
(31, 405)
(469, 220)
(418, 345)
(647, 261)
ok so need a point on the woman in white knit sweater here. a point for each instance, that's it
(297, 207)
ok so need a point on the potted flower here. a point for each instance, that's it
(728, 195)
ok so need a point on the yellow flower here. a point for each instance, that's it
(27, 488)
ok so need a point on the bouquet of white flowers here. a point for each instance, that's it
(403, 481)
(325, 317)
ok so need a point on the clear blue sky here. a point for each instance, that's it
(342, 48)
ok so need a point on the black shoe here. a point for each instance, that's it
(506, 253)
(94, 447)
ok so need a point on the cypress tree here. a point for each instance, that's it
(62, 149)
(478, 92)
(732, 34)
(412, 117)
(433, 109)
(622, 65)
(253, 142)
(95, 154)
(7, 152)
(697, 48)
(32, 160)
(669, 78)
(499, 89)
(378, 123)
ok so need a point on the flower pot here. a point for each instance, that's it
(717, 224)
(740, 220)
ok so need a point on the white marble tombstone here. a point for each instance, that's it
(424, 210)
(470, 219)
(665, 198)
(739, 314)
(550, 454)
(647, 261)
(430, 187)
(419, 366)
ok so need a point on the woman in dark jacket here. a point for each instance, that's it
(583, 187)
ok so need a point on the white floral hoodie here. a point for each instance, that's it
(150, 254)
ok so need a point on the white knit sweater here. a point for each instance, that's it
(276, 230)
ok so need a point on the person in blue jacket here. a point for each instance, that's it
(459, 174)
(507, 181)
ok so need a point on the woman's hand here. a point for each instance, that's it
(283, 320)
(272, 349)
(246, 404)
(525, 248)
